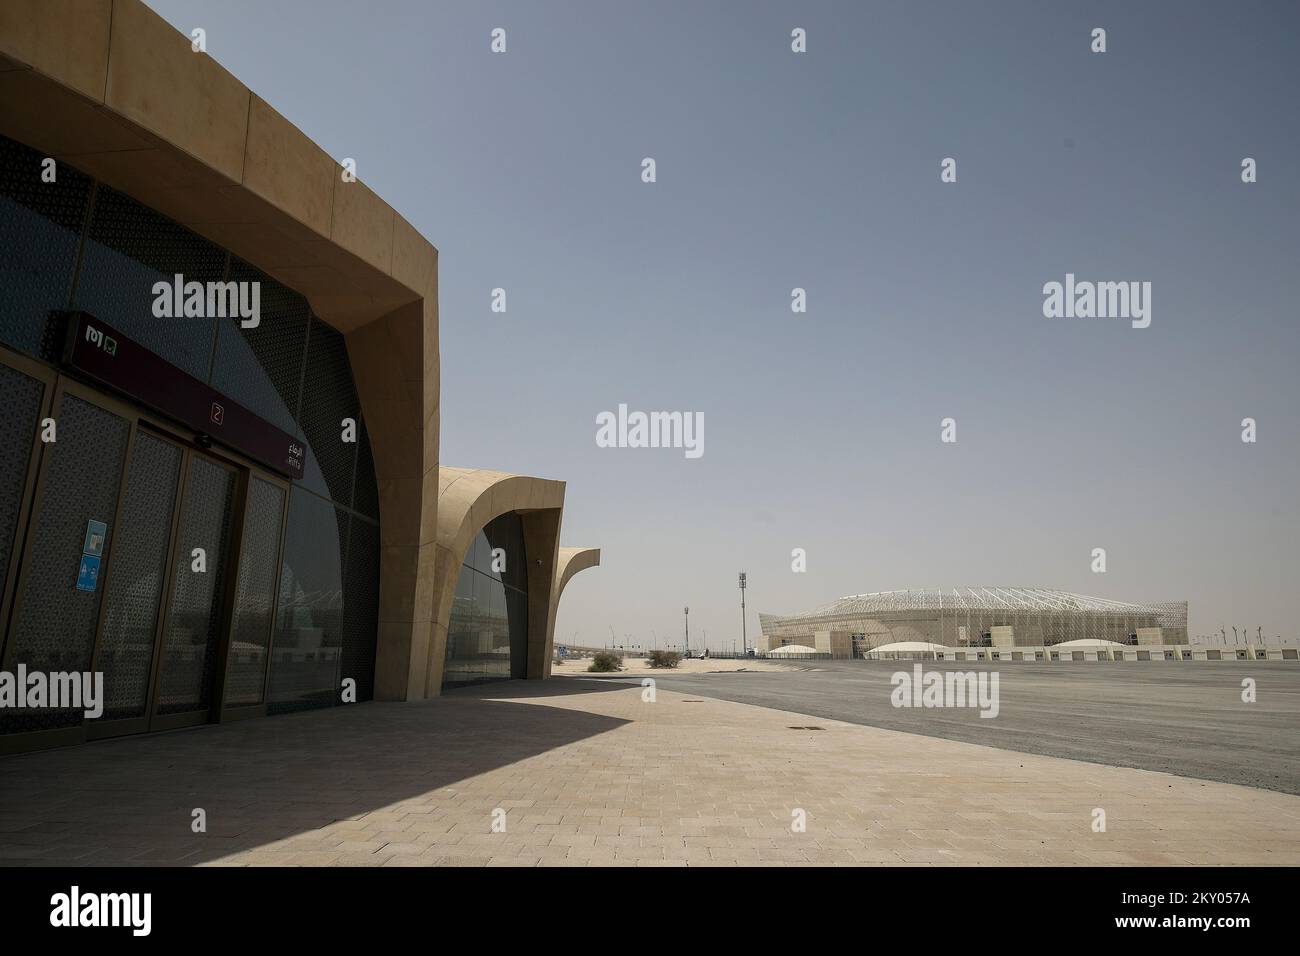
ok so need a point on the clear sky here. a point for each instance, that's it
(821, 170)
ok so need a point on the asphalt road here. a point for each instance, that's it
(1181, 718)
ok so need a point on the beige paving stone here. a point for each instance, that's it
(593, 776)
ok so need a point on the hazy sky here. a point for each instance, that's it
(821, 170)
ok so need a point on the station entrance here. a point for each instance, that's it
(129, 549)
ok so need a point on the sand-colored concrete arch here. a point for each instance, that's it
(468, 498)
(569, 563)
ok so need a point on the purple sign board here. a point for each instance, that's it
(110, 358)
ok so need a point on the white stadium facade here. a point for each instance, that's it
(997, 617)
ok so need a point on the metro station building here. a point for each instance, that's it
(227, 516)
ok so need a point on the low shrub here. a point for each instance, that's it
(603, 662)
(663, 658)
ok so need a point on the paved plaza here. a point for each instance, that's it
(586, 772)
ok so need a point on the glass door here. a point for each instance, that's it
(71, 537)
(136, 583)
(194, 625)
(127, 552)
(176, 591)
(253, 614)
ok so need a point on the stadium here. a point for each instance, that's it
(856, 625)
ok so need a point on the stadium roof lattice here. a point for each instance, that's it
(973, 599)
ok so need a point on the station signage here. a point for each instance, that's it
(104, 354)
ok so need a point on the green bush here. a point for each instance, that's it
(663, 658)
(603, 662)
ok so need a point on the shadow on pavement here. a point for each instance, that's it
(130, 800)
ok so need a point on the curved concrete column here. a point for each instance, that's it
(569, 563)
(395, 367)
(468, 499)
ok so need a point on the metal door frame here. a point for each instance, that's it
(9, 587)
(136, 725)
(201, 715)
(243, 711)
(63, 386)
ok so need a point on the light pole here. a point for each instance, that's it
(744, 641)
(687, 611)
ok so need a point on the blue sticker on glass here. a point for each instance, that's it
(88, 575)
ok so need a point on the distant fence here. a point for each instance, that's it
(573, 653)
(811, 655)
(1051, 653)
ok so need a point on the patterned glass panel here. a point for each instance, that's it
(505, 535)
(20, 397)
(259, 559)
(487, 636)
(40, 230)
(479, 554)
(54, 629)
(128, 248)
(194, 614)
(497, 637)
(517, 621)
(133, 599)
(479, 637)
(262, 366)
(365, 497)
(461, 631)
(305, 657)
(361, 607)
(328, 397)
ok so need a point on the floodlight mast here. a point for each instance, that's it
(744, 640)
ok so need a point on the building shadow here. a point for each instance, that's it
(130, 801)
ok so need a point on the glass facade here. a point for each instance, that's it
(21, 397)
(250, 633)
(41, 225)
(487, 635)
(302, 590)
(306, 655)
(192, 633)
